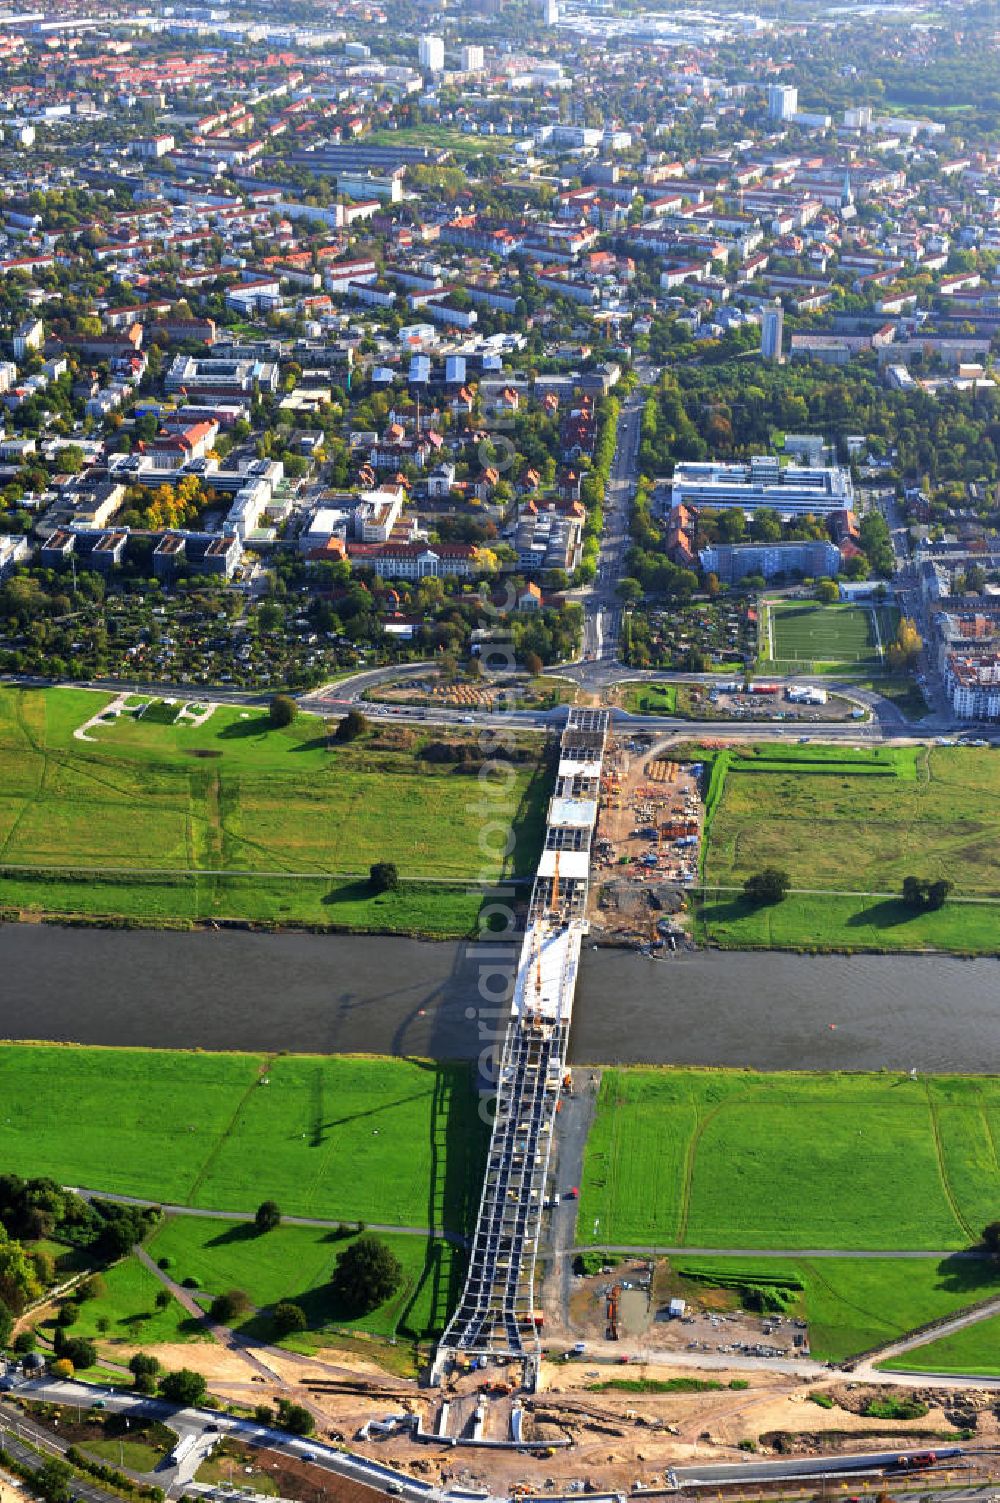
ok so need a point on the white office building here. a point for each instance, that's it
(431, 54)
(790, 490)
(472, 59)
(782, 101)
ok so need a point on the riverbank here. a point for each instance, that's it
(848, 825)
(133, 810)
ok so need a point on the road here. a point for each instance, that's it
(602, 611)
(22, 1439)
(800, 1466)
(208, 1426)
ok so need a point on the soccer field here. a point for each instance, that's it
(831, 636)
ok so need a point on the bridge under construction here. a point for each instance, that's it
(496, 1318)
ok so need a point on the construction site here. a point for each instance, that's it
(649, 840)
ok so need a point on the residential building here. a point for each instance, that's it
(771, 329)
(732, 562)
(430, 54)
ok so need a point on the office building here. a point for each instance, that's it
(472, 59)
(790, 490)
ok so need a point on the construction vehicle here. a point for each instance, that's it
(613, 1294)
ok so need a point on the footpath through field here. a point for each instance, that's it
(645, 1250)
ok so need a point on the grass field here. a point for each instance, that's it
(735, 1159)
(353, 1137)
(840, 818)
(295, 1262)
(976, 1351)
(821, 922)
(442, 136)
(855, 1304)
(827, 638)
(127, 1313)
(179, 804)
(651, 699)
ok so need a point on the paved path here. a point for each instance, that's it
(246, 1217)
(224, 1335)
(660, 1251)
(961, 1322)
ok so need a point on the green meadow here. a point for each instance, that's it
(154, 818)
(734, 1159)
(347, 1136)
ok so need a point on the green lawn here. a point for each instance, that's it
(391, 1140)
(976, 1351)
(651, 699)
(855, 1304)
(735, 1159)
(831, 638)
(821, 922)
(842, 818)
(442, 136)
(129, 1311)
(295, 1262)
(231, 796)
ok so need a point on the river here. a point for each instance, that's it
(346, 993)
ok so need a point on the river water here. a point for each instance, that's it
(328, 993)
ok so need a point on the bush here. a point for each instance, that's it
(79, 1351)
(822, 1399)
(351, 727)
(225, 1308)
(295, 1417)
(281, 711)
(183, 1386)
(288, 1317)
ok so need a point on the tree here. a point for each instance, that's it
(767, 886)
(225, 1308)
(827, 592)
(287, 1317)
(351, 727)
(6, 1323)
(62, 1367)
(906, 648)
(144, 1367)
(78, 1350)
(267, 1217)
(183, 1386)
(532, 664)
(366, 1274)
(163, 1298)
(923, 895)
(53, 1480)
(991, 1239)
(18, 1284)
(295, 1417)
(281, 711)
(383, 876)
